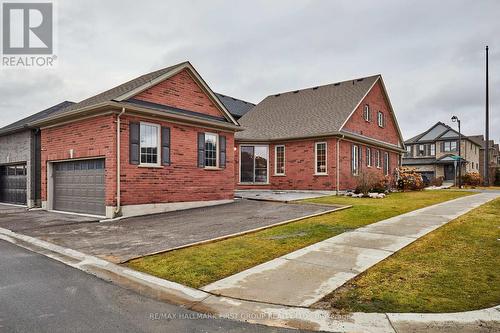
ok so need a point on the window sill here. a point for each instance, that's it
(320, 174)
(279, 175)
(152, 166)
(257, 184)
(213, 168)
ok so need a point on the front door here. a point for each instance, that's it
(449, 172)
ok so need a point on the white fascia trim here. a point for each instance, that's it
(171, 73)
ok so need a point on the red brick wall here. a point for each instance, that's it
(181, 91)
(299, 166)
(377, 101)
(180, 181)
(347, 179)
(93, 137)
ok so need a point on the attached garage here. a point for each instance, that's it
(79, 186)
(13, 184)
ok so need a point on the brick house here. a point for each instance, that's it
(20, 159)
(433, 153)
(319, 138)
(159, 142)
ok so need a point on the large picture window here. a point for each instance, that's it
(149, 143)
(254, 164)
(279, 160)
(449, 146)
(320, 158)
(211, 153)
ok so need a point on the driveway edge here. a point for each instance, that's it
(248, 311)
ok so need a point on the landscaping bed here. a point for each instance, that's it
(200, 265)
(455, 268)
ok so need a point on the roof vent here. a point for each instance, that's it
(315, 88)
(337, 84)
(277, 95)
(359, 80)
(296, 91)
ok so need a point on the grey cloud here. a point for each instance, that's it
(430, 53)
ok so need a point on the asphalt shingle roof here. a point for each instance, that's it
(324, 109)
(236, 107)
(21, 124)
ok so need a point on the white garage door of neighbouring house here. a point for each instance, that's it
(79, 186)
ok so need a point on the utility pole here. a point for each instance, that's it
(487, 147)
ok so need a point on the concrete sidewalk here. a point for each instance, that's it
(303, 277)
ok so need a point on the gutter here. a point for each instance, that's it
(118, 163)
(117, 105)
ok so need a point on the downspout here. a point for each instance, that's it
(338, 164)
(118, 192)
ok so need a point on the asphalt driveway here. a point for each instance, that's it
(122, 240)
(19, 218)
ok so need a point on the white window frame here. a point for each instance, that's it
(276, 173)
(366, 113)
(158, 144)
(432, 149)
(421, 150)
(216, 151)
(355, 160)
(368, 157)
(377, 155)
(386, 163)
(316, 144)
(380, 119)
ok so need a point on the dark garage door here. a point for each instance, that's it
(79, 187)
(13, 184)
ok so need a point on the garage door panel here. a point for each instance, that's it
(13, 184)
(79, 186)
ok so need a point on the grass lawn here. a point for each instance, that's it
(200, 265)
(455, 268)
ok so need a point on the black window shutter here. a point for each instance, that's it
(222, 151)
(165, 145)
(134, 138)
(201, 150)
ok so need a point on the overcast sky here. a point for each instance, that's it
(430, 53)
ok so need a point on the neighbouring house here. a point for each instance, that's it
(320, 138)
(434, 153)
(160, 142)
(494, 156)
(20, 168)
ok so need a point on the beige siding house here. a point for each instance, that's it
(434, 153)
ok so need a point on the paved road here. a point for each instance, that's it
(38, 294)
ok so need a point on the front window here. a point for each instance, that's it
(368, 157)
(150, 139)
(450, 146)
(380, 119)
(253, 164)
(279, 160)
(377, 158)
(211, 143)
(433, 149)
(355, 160)
(386, 163)
(408, 150)
(421, 150)
(320, 152)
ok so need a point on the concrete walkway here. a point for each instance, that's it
(303, 277)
